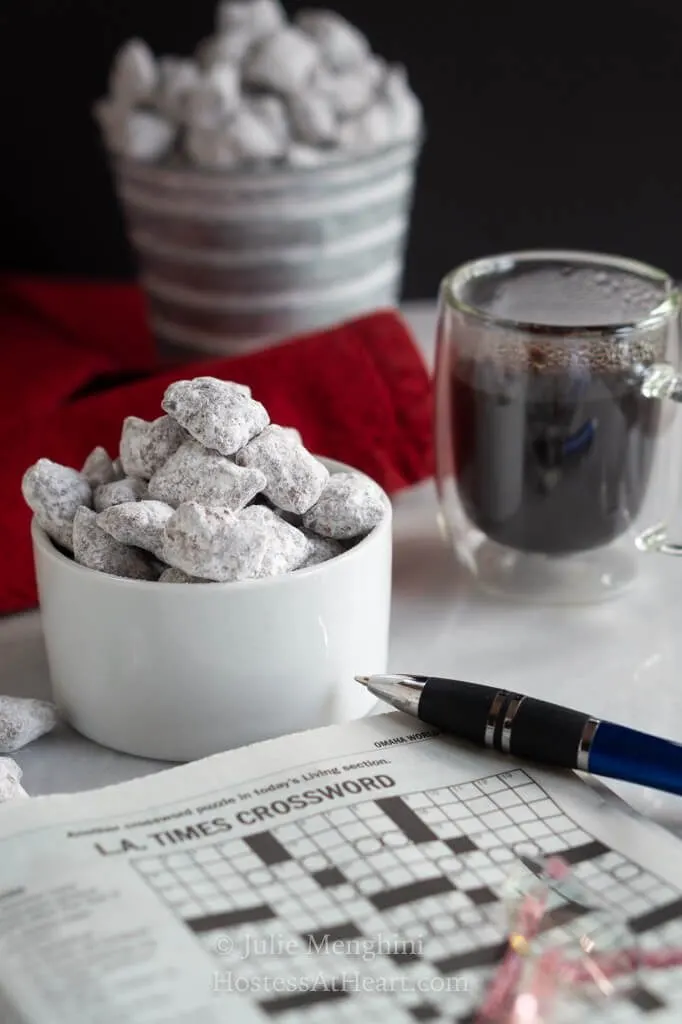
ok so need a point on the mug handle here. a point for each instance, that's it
(659, 380)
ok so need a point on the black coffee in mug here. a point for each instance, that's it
(553, 442)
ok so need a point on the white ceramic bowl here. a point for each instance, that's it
(178, 672)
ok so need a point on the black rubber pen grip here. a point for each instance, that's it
(518, 725)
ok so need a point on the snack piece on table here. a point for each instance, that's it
(22, 720)
(140, 524)
(10, 780)
(350, 506)
(295, 478)
(95, 549)
(178, 576)
(218, 414)
(146, 446)
(98, 468)
(54, 493)
(341, 45)
(119, 492)
(195, 473)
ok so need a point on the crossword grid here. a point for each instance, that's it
(423, 877)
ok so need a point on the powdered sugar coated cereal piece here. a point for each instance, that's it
(283, 62)
(178, 576)
(215, 97)
(404, 109)
(55, 493)
(342, 46)
(272, 112)
(320, 549)
(95, 549)
(98, 468)
(146, 446)
(177, 78)
(134, 73)
(299, 155)
(257, 18)
(23, 720)
(119, 492)
(195, 473)
(211, 149)
(214, 544)
(138, 523)
(370, 130)
(254, 138)
(350, 506)
(136, 134)
(223, 48)
(219, 414)
(314, 118)
(60, 534)
(287, 548)
(10, 780)
(295, 478)
(351, 92)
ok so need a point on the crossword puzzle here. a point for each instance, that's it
(419, 882)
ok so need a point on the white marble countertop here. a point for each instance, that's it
(618, 660)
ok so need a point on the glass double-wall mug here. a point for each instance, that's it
(557, 444)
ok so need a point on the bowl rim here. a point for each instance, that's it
(43, 542)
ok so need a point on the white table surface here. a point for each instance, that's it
(619, 660)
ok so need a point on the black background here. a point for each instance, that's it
(549, 125)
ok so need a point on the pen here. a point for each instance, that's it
(534, 730)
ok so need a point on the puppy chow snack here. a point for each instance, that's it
(329, 96)
(134, 73)
(145, 447)
(350, 506)
(141, 135)
(119, 492)
(55, 493)
(319, 549)
(288, 548)
(96, 549)
(209, 543)
(218, 414)
(341, 46)
(195, 473)
(178, 576)
(256, 18)
(10, 780)
(139, 524)
(22, 720)
(98, 468)
(263, 507)
(295, 479)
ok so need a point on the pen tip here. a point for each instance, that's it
(362, 679)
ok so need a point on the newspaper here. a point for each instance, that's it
(340, 875)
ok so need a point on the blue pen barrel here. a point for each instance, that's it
(621, 753)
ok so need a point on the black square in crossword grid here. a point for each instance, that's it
(430, 867)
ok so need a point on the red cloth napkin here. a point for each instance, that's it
(359, 393)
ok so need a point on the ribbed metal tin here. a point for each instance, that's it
(236, 261)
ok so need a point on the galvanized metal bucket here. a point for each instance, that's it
(237, 261)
